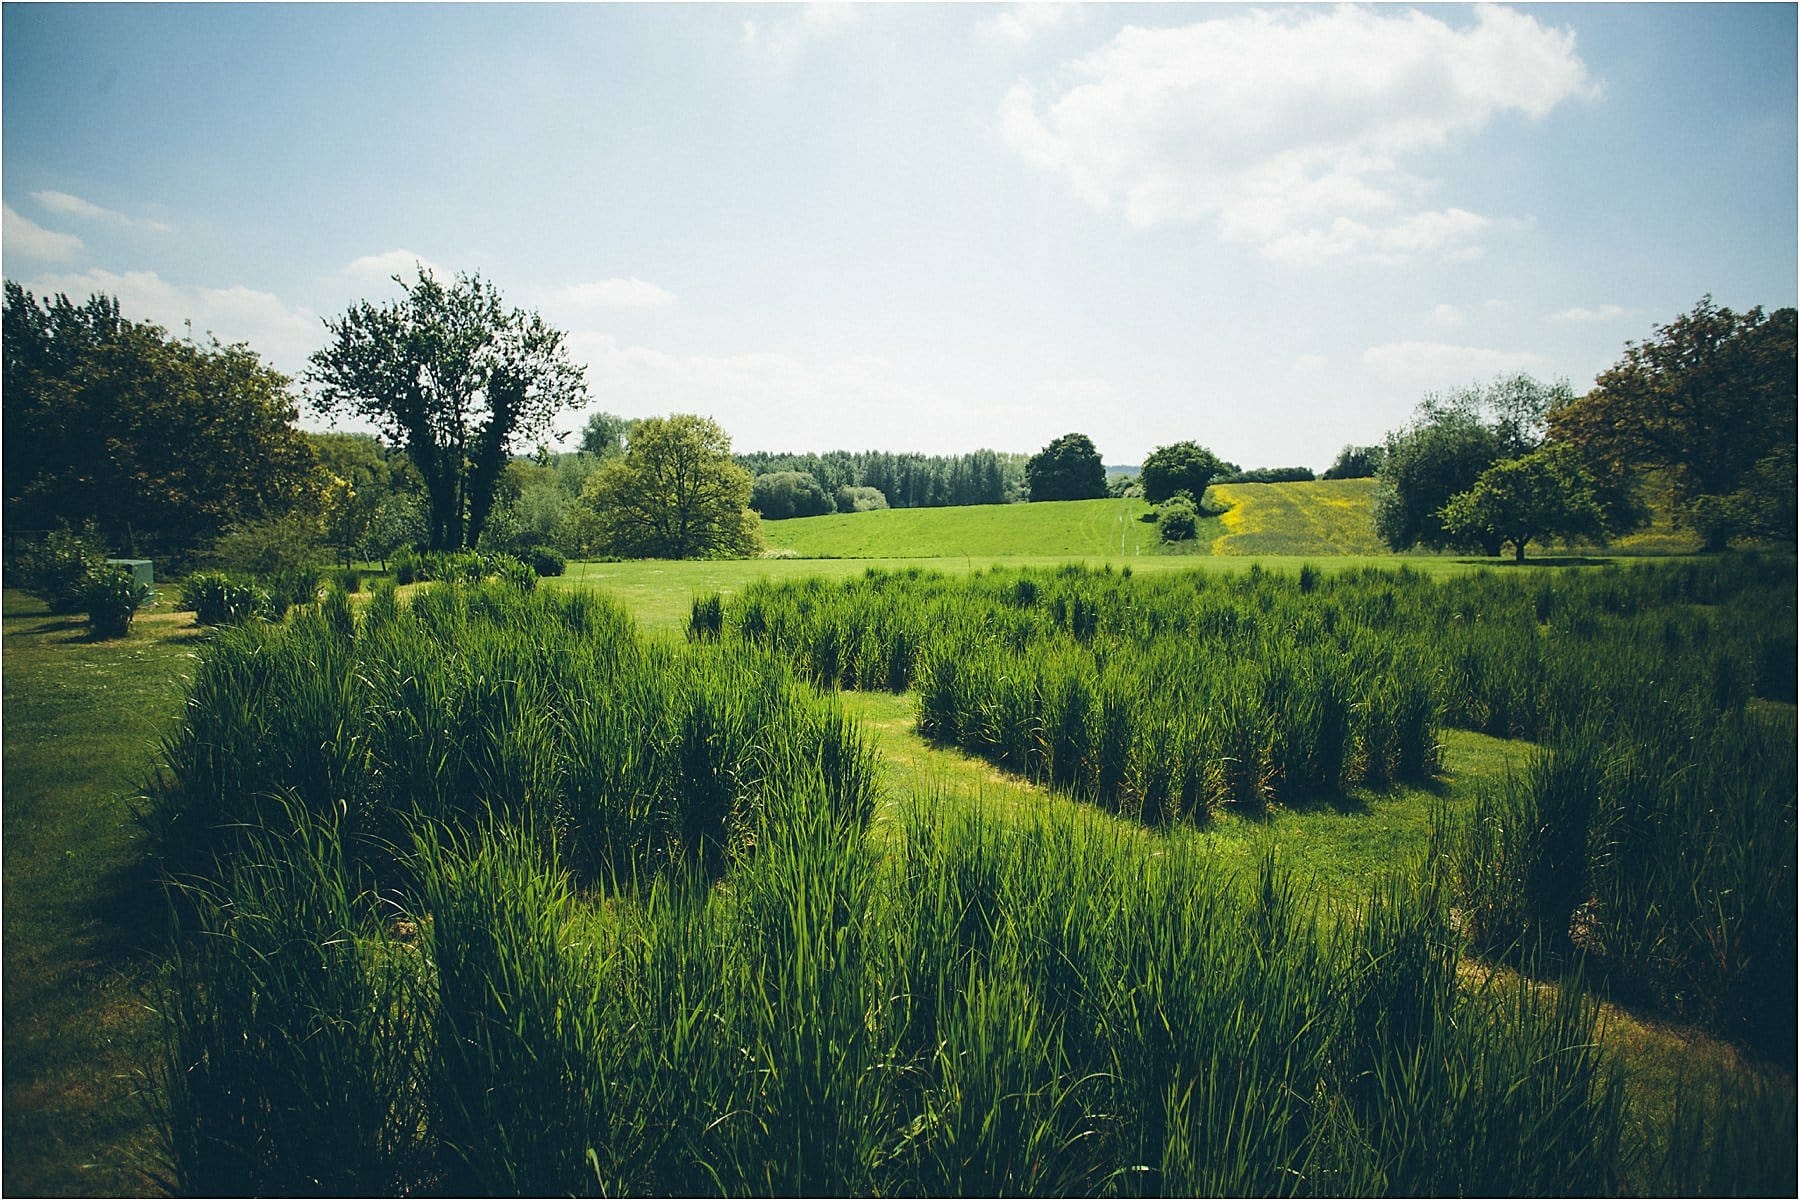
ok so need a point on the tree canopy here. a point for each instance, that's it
(1356, 463)
(675, 494)
(1453, 438)
(1710, 400)
(1179, 467)
(1541, 495)
(604, 435)
(161, 442)
(1067, 469)
(782, 494)
(905, 480)
(457, 379)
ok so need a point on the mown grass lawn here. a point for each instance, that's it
(1053, 528)
(82, 720)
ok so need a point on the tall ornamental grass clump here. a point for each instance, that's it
(1162, 698)
(485, 893)
(1053, 1007)
(549, 709)
(112, 596)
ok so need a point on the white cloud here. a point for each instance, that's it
(1020, 24)
(632, 293)
(22, 236)
(1442, 361)
(782, 40)
(1291, 129)
(281, 334)
(380, 268)
(1311, 362)
(1588, 316)
(1445, 316)
(75, 206)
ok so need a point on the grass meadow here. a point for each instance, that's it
(967, 875)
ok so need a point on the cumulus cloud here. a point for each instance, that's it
(283, 335)
(1020, 24)
(1311, 362)
(26, 238)
(380, 268)
(1443, 361)
(74, 206)
(1590, 316)
(632, 293)
(1292, 130)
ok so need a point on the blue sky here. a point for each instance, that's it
(1271, 229)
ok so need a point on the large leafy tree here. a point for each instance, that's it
(1179, 467)
(1067, 469)
(1541, 495)
(1453, 438)
(675, 494)
(163, 443)
(1710, 401)
(458, 379)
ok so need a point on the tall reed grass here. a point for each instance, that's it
(487, 894)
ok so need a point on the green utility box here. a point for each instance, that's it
(140, 569)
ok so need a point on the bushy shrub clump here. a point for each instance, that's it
(56, 570)
(1177, 520)
(112, 596)
(467, 566)
(220, 599)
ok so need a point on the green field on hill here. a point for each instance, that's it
(1323, 517)
(1318, 517)
(1067, 527)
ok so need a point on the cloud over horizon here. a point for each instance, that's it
(283, 335)
(1298, 131)
(75, 206)
(23, 236)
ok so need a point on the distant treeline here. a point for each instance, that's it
(1265, 475)
(908, 481)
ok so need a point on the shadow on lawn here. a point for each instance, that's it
(1547, 561)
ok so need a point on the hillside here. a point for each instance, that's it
(1319, 517)
(1069, 527)
(1324, 517)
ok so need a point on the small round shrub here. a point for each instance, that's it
(349, 579)
(407, 567)
(546, 560)
(1177, 521)
(112, 597)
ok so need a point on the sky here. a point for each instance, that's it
(1269, 229)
